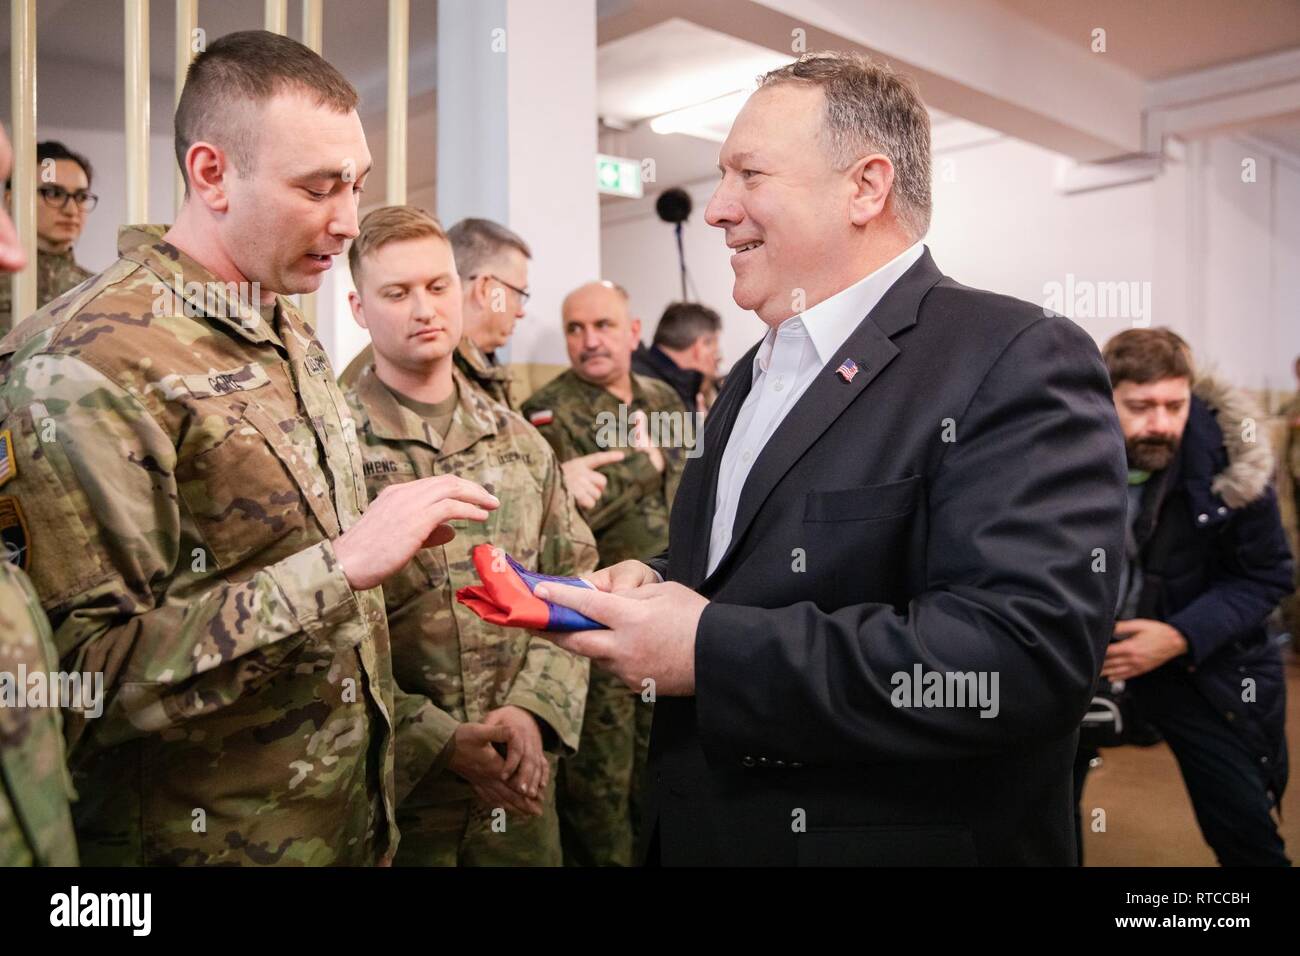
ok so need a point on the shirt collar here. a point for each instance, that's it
(830, 322)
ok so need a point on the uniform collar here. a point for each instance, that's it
(477, 360)
(598, 393)
(392, 421)
(204, 292)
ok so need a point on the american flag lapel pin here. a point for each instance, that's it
(847, 370)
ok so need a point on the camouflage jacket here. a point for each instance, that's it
(56, 273)
(441, 649)
(183, 465)
(35, 823)
(491, 379)
(577, 418)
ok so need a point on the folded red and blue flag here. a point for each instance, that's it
(507, 597)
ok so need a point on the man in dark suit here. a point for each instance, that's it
(891, 574)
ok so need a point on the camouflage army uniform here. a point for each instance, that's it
(56, 273)
(182, 478)
(490, 378)
(35, 823)
(444, 651)
(600, 787)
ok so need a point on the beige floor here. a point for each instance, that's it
(1149, 820)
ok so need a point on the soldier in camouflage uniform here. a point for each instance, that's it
(35, 823)
(600, 787)
(191, 480)
(63, 202)
(56, 273)
(470, 669)
(492, 263)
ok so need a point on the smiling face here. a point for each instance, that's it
(287, 218)
(785, 210)
(600, 334)
(410, 301)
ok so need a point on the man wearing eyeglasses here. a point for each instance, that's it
(493, 265)
(492, 262)
(63, 201)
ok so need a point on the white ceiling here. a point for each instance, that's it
(676, 64)
(1156, 39)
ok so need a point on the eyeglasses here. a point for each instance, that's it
(524, 294)
(57, 197)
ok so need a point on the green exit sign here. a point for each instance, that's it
(618, 176)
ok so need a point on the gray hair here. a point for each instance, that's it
(478, 242)
(870, 108)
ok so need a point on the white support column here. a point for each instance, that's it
(137, 110)
(313, 24)
(22, 78)
(276, 19)
(517, 143)
(399, 61)
(313, 27)
(187, 18)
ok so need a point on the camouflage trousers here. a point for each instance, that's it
(600, 786)
(443, 824)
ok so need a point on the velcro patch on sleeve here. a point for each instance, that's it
(543, 416)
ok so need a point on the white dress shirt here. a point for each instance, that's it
(791, 356)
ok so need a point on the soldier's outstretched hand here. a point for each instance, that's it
(404, 518)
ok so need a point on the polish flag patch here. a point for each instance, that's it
(541, 417)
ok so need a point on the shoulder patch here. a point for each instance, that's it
(13, 533)
(543, 416)
(8, 466)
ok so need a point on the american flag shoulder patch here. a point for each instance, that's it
(543, 416)
(8, 467)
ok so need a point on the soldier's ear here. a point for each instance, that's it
(207, 169)
(358, 313)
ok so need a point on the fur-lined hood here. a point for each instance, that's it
(1250, 457)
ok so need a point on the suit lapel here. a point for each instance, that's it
(870, 347)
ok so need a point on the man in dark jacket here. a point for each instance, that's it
(685, 353)
(1207, 563)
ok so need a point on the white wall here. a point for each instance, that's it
(1222, 257)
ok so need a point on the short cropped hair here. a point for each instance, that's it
(477, 242)
(1147, 355)
(390, 224)
(245, 69)
(683, 323)
(870, 108)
